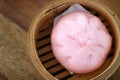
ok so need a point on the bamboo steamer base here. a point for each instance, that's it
(40, 45)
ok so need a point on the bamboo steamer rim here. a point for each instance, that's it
(102, 9)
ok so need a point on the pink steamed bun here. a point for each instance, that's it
(80, 42)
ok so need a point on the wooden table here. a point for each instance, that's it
(21, 13)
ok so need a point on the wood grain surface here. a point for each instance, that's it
(15, 63)
(21, 11)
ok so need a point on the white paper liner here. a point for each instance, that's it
(71, 9)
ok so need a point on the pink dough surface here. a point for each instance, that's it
(80, 42)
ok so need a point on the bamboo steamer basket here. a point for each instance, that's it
(40, 46)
